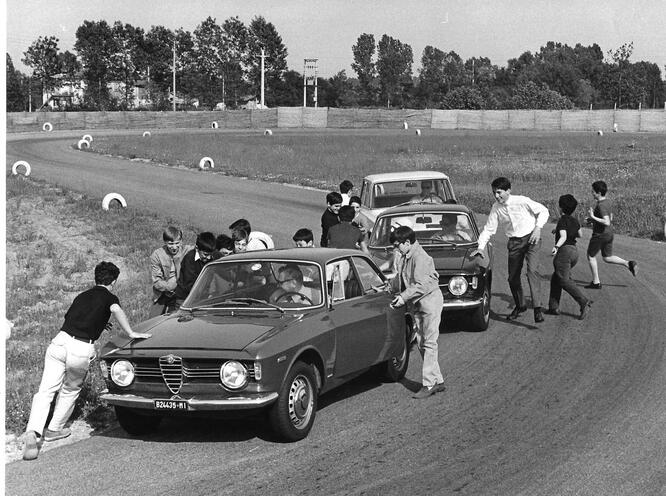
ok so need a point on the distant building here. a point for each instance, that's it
(66, 94)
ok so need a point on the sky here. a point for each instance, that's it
(327, 29)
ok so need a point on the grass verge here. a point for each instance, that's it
(55, 238)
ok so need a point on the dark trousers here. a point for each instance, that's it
(565, 259)
(521, 251)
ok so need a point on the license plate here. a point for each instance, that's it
(170, 405)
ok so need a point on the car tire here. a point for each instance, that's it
(135, 423)
(293, 414)
(480, 317)
(396, 367)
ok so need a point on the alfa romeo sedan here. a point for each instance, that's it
(382, 191)
(265, 330)
(449, 234)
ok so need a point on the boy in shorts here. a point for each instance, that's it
(601, 216)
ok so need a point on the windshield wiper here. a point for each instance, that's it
(248, 301)
(441, 241)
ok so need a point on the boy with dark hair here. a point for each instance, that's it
(345, 234)
(360, 221)
(256, 240)
(601, 216)
(417, 285)
(224, 244)
(330, 216)
(192, 264)
(522, 219)
(69, 355)
(303, 238)
(565, 258)
(165, 269)
(346, 188)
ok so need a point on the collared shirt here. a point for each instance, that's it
(519, 215)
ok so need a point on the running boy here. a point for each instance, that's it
(601, 216)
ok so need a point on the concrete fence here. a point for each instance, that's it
(298, 117)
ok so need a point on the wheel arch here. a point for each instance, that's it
(312, 357)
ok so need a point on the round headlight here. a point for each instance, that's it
(457, 285)
(122, 372)
(233, 375)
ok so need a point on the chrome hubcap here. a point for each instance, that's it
(300, 401)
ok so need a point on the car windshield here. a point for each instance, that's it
(430, 228)
(257, 284)
(390, 194)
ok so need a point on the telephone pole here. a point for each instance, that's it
(174, 74)
(263, 56)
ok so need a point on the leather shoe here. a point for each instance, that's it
(426, 391)
(516, 311)
(538, 316)
(593, 285)
(585, 309)
(633, 267)
(30, 448)
(552, 311)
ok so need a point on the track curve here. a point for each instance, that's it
(566, 407)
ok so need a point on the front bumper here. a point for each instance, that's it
(193, 404)
(458, 304)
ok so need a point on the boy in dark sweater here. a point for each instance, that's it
(330, 216)
(192, 264)
(345, 234)
(565, 258)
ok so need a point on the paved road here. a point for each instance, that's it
(566, 407)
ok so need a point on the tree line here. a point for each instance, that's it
(222, 63)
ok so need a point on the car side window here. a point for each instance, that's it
(368, 276)
(337, 273)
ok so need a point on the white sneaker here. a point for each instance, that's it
(50, 435)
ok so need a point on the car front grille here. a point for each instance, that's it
(182, 371)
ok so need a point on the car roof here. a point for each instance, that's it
(403, 176)
(317, 255)
(425, 207)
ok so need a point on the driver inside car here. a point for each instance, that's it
(290, 287)
(449, 230)
(428, 194)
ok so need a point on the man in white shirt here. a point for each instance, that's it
(522, 219)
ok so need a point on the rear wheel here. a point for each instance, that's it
(135, 423)
(293, 414)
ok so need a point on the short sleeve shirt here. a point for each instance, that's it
(571, 226)
(89, 313)
(601, 210)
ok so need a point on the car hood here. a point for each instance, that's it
(446, 258)
(204, 330)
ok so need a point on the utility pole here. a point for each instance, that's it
(263, 56)
(29, 94)
(174, 74)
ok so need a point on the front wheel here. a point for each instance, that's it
(480, 317)
(135, 423)
(293, 414)
(395, 367)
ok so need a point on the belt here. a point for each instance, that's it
(85, 340)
